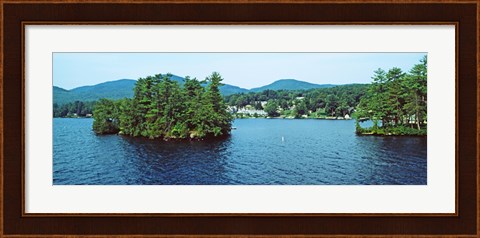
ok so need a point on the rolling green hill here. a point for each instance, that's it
(113, 90)
(117, 89)
(123, 88)
(290, 84)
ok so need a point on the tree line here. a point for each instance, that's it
(397, 100)
(327, 102)
(73, 109)
(161, 108)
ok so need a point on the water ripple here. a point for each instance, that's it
(312, 152)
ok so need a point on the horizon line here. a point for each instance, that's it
(91, 85)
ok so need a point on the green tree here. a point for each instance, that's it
(194, 107)
(416, 95)
(221, 119)
(241, 101)
(374, 105)
(300, 109)
(106, 117)
(394, 97)
(126, 116)
(331, 104)
(271, 108)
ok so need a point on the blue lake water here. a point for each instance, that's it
(312, 152)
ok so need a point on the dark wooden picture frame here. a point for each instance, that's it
(15, 14)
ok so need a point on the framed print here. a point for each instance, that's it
(239, 119)
(149, 126)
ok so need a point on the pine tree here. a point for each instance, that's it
(106, 117)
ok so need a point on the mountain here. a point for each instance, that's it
(117, 89)
(179, 79)
(113, 90)
(123, 88)
(61, 95)
(228, 89)
(290, 84)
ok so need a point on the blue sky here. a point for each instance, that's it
(246, 70)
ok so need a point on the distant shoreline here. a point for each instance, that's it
(286, 118)
(307, 118)
(367, 132)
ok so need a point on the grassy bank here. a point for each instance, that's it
(391, 131)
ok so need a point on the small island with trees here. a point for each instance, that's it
(397, 100)
(162, 109)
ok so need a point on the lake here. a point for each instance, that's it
(258, 151)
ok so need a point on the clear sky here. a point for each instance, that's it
(246, 70)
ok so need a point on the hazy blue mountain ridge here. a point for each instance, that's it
(290, 84)
(113, 90)
(123, 88)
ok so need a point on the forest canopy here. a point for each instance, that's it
(334, 102)
(161, 108)
(397, 100)
(73, 109)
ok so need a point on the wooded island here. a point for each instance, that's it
(397, 100)
(161, 108)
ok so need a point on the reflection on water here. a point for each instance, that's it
(259, 151)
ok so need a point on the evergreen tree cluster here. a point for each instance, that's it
(73, 109)
(161, 108)
(398, 100)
